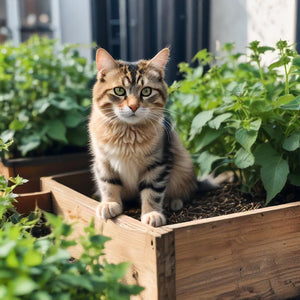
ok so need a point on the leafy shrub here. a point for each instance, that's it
(40, 268)
(243, 117)
(32, 268)
(44, 97)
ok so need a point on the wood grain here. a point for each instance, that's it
(250, 255)
(240, 256)
(34, 168)
(149, 250)
(29, 201)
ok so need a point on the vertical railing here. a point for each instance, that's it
(146, 26)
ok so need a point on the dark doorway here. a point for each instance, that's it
(136, 29)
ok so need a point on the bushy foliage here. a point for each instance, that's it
(44, 96)
(243, 117)
(40, 268)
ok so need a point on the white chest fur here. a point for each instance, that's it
(129, 172)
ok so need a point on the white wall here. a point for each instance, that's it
(76, 25)
(228, 24)
(243, 21)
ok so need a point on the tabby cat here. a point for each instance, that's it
(136, 151)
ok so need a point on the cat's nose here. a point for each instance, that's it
(133, 107)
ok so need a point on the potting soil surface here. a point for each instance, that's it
(225, 200)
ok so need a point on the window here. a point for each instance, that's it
(35, 18)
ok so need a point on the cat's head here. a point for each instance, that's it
(132, 93)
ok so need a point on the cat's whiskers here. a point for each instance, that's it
(158, 119)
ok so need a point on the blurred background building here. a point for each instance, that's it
(135, 29)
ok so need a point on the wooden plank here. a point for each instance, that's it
(34, 168)
(80, 181)
(150, 250)
(29, 201)
(253, 255)
(5, 171)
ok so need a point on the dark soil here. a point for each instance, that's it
(40, 229)
(226, 200)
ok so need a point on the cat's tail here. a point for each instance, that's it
(210, 182)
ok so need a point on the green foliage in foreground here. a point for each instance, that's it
(243, 117)
(32, 268)
(44, 97)
(40, 268)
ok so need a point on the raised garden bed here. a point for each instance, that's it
(34, 168)
(246, 255)
(29, 201)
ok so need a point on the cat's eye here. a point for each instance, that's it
(146, 92)
(119, 91)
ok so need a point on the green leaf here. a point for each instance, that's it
(296, 61)
(29, 143)
(274, 170)
(244, 159)
(283, 100)
(16, 125)
(99, 240)
(41, 105)
(276, 64)
(259, 106)
(24, 286)
(246, 138)
(217, 121)
(293, 105)
(236, 89)
(116, 271)
(255, 125)
(7, 135)
(41, 295)
(292, 143)
(73, 118)
(12, 260)
(78, 136)
(199, 121)
(60, 255)
(33, 258)
(263, 49)
(56, 130)
(66, 104)
(206, 160)
(206, 136)
(294, 179)
(76, 281)
(6, 248)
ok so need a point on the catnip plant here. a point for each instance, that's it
(45, 95)
(243, 116)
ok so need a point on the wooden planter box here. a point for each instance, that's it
(250, 255)
(34, 168)
(29, 201)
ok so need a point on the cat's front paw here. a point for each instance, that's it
(154, 218)
(108, 210)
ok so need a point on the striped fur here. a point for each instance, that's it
(136, 151)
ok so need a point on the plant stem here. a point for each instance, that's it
(260, 72)
(287, 89)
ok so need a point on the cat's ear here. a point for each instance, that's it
(160, 60)
(105, 61)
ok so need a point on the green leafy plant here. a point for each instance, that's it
(40, 268)
(243, 117)
(7, 196)
(44, 97)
